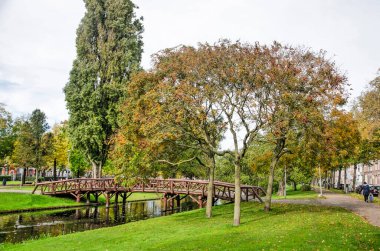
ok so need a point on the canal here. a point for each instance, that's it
(33, 225)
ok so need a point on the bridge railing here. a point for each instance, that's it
(222, 190)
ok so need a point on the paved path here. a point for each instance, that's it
(369, 211)
(15, 190)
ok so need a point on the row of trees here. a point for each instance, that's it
(28, 142)
(278, 106)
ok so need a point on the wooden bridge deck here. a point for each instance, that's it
(171, 188)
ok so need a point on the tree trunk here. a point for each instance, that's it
(210, 190)
(268, 198)
(36, 172)
(294, 186)
(354, 178)
(55, 169)
(281, 188)
(237, 195)
(345, 180)
(339, 177)
(23, 176)
(334, 178)
(94, 170)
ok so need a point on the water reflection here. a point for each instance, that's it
(18, 227)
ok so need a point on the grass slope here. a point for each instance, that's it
(290, 227)
(17, 201)
(296, 195)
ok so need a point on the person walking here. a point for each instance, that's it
(365, 191)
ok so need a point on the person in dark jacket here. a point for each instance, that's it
(365, 191)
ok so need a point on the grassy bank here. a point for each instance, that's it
(291, 194)
(18, 201)
(133, 197)
(290, 227)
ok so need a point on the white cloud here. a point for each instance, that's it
(37, 38)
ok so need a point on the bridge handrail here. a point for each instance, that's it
(151, 179)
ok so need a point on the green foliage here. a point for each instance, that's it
(6, 177)
(78, 163)
(305, 187)
(24, 154)
(109, 47)
(7, 135)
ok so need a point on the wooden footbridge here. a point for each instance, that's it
(173, 189)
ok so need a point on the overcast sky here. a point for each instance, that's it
(37, 38)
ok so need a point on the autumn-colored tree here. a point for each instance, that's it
(302, 85)
(170, 113)
(192, 96)
(58, 148)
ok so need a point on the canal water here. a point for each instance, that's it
(33, 225)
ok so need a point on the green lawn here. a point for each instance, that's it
(16, 182)
(17, 201)
(291, 194)
(134, 196)
(286, 227)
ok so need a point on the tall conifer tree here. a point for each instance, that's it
(109, 47)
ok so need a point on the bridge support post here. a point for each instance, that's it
(88, 200)
(178, 199)
(165, 201)
(96, 195)
(124, 196)
(116, 198)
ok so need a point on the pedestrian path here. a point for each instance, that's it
(15, 190)
(369, 211)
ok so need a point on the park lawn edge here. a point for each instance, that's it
(309, 226)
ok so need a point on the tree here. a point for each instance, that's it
(78, 163)
(24, 152)
(7, 134)
(57, 152)
(174, 118)
(302, 86)
(38, 127)
(109, 48)
(194, 95)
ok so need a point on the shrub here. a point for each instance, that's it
(305, 187)
(7, 177)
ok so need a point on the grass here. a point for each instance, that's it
(291, 194)
(18, 201)
(16, 182)
(133, 197)
(286, 227)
